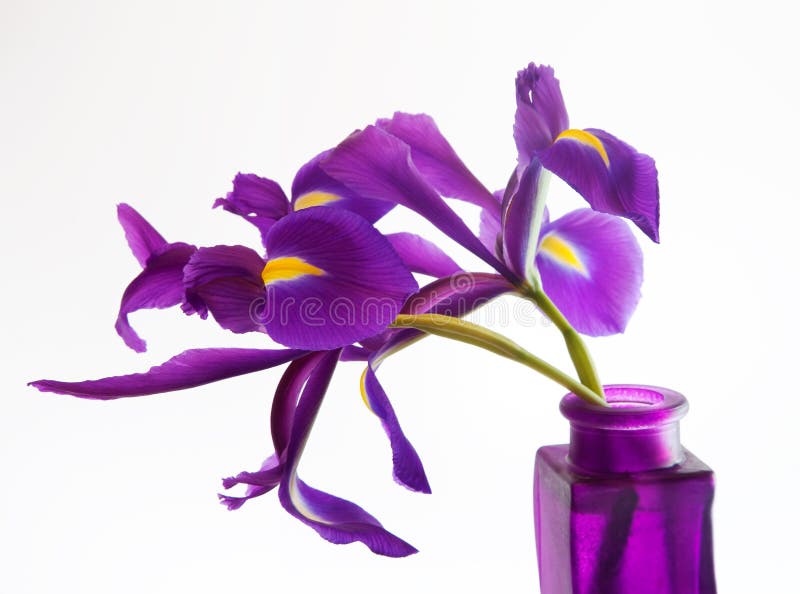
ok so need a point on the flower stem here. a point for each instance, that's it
(467, 332)
(577, 348)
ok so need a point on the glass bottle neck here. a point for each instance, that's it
(637, 432)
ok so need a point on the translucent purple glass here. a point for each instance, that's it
(624, 509)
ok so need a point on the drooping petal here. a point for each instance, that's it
(523, 211)
(436, 160)
(336, 520)
(591, 267)
(378, 165)
(406, 465)
(142, 237)
(258, 483)
(159, 285)
(313, 187)
(284, 404)
(541, 115)
(191, 368)
(258, 200)
(332, 279)
(421, 255)
(455, 295)
(610, 174)
(226, 280)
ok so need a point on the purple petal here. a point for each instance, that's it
(258, 483)
(142, 238)
(591, 267)
(335, 519)
(283, 408)
(189, 369)
(406, 465)
(258, 200)
(345, 282)
(541, 114)
(436, 160)
(489, 231)
(523, 211)
(313, 187)
(378, 165)
(159, 285)
(226, 280)
(611, 175)
(421, 255)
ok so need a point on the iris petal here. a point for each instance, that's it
(191, 368)
(159, 285)
(523, 211)
(226, 280)
(436, 160)
(454, 295)
(313, 187)
(611, 175)
(361, 291)
(421, 255)
(541, 114)
(379, 165)
(258, 200)
(591, 267)
(336, 520)
(142, 237)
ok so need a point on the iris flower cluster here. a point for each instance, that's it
(330, 288)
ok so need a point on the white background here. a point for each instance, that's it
(160, 104)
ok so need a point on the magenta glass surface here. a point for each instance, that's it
(624, 508)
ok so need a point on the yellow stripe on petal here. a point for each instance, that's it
(288, 268)
(299, 502)
(588, 139)
(562, 252)
(363, 385)
(315, 199)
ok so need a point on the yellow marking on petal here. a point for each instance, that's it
(363, 384)
(588, 139)
(288, 268)
(299, 502)
(562, 252)
(315, 199)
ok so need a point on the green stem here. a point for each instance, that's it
(577, 348)
(467, 332)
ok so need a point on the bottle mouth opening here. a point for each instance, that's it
(629, 407)
(632, 397)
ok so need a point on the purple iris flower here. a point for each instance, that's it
(610, 174)
(356, 282)
(588, 262)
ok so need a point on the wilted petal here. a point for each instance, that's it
(191, 368)
(406, 465)
(455, 295)
(591, 267)
(611, 175)
(313, 187)
(226, 280)
(159, 285)
(281, 419)
(258, 483)
(142, 238)
(335, 519)
(378, 165)
(258, 200)
(541, 114)
(421, 255)
(523, 210)
(436, 160)
(332, 279)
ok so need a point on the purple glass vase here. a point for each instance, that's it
(624, 509)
